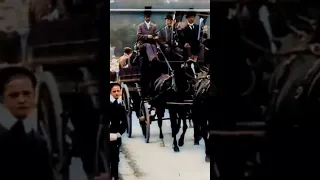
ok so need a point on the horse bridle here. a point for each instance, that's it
(198, 66)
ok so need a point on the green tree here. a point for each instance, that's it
(127, 35)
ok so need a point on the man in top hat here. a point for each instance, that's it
(189, 37)
(147, 36)
(166, 35)
(147, 39)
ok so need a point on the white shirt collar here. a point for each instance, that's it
(190, 24)
(112, 99)
(7, 120)
(148, 24)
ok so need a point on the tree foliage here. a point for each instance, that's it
(124, 36)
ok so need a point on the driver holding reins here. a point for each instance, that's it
(147, 36)
(147, 41)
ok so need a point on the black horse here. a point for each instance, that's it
(201, 111)
(175, 89)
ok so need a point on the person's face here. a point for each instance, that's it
(19, 97)
(191, 19)
(147, 18)
(168, 22)
(116, 92)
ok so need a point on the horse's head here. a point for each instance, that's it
(180, 81)
(203, 89)
(194, 74)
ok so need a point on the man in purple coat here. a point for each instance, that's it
(147, 36)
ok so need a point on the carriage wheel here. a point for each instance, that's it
(103, 151)
(145, 112)
(127, 104)
(49, 127)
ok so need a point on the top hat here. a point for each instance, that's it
(169, 16)
(190, 13)
(146, 12)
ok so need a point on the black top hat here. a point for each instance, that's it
(146, 12)
(190, 13)
(169, 16)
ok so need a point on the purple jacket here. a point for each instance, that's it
(143, 32)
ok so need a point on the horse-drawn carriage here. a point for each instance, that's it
(133, 98)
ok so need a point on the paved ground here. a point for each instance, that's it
(142, 161)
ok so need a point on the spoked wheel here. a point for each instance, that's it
(50, 126)
(127, 104)
(101, 159)
(146, 125)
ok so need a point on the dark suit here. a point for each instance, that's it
(143, 39)
(149, 70)
(165, 35)
(118, 124)
(23, 155)
(190, 36)
(165, 38)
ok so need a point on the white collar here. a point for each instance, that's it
(190, 24)
(147, 23)
(112, 99)
(7, 120)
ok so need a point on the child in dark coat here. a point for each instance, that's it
(118, 125)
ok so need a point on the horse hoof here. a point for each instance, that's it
(181, 143)
(176, 149)
(162, 144)
(207, 159)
